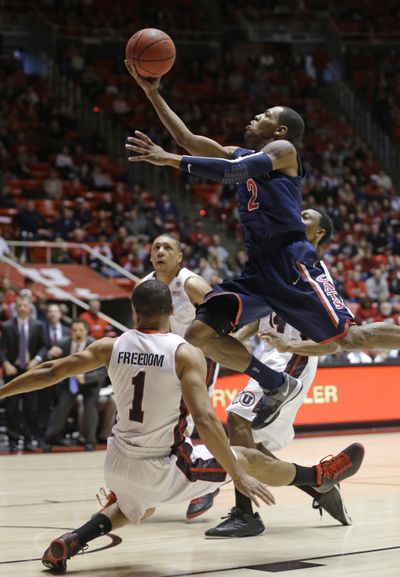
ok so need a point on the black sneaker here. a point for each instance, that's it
(272, 403)
(331, 470)
(200, 505)
(333, 504)
(238, 524)
(60, 550)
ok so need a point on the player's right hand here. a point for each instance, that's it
(275, 340)
(254, 489)
(147, 84)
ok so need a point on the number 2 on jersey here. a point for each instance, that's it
(136, 412)
(252, 187)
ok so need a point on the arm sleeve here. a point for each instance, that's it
(228, 171)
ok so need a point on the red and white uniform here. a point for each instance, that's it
(149, 460)
(280, 432)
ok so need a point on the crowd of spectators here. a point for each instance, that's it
(79, 410)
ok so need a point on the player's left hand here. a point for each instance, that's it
(275, 340)
(146, 149)
(254, 489)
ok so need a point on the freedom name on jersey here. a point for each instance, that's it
(151, 359)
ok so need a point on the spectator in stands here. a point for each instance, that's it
(83, 213)
(377, 286)
(101, 180)
(66, 224)
(97, 326)
(136, 224)
(87, 385)
(64, 162)
(22, 347)
(53, 186)
(354, 287)
(219, 249)
(31, 224)
(167, 207)
(55, 333)
(386, 313)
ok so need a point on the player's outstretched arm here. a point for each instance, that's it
(191, 369)
(193, 143)
(226, 171)
(306, 348)
(52, 372)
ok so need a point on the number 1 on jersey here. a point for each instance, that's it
(136, 412)
(252, 187)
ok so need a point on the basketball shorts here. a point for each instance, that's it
(290, 280)
(141, 483)
(280, 432)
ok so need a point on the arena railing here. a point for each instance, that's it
(62, 294)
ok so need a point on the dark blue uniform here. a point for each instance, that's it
(283, 272)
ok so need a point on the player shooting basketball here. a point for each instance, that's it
(284, 271)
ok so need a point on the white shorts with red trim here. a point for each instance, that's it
(142, 483)
(280, 432)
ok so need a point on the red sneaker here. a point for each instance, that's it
(331, 471)
(200, 505)
(60, 550)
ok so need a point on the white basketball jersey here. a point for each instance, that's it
(284, 361)
(184, 311)
(147, 392)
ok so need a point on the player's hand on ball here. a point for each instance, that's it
(255, 490)
(275, 340)
(146, 150)
(147, 84)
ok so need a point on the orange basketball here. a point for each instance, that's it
(151, 51)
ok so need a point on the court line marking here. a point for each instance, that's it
(276, 563)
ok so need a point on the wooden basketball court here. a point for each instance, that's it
(42, 496)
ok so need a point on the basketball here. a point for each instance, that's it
(151, 51)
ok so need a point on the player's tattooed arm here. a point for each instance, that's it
(283, 156)
(306, 348)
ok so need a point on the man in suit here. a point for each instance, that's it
(55, 332)
(22, 347)
(88, 385)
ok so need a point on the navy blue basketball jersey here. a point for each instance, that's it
(269, 206)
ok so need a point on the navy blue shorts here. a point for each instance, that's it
(290, 280)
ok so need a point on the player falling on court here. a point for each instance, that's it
(283, 271)
(241, 520)
(188, 290)
(157, 377)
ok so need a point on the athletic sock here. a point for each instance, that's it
(304, 476)
(267, 378)
(310, 491)
(98, 525)
(243, 503)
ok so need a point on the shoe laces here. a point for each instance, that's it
(332, 465)
(106, 498)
